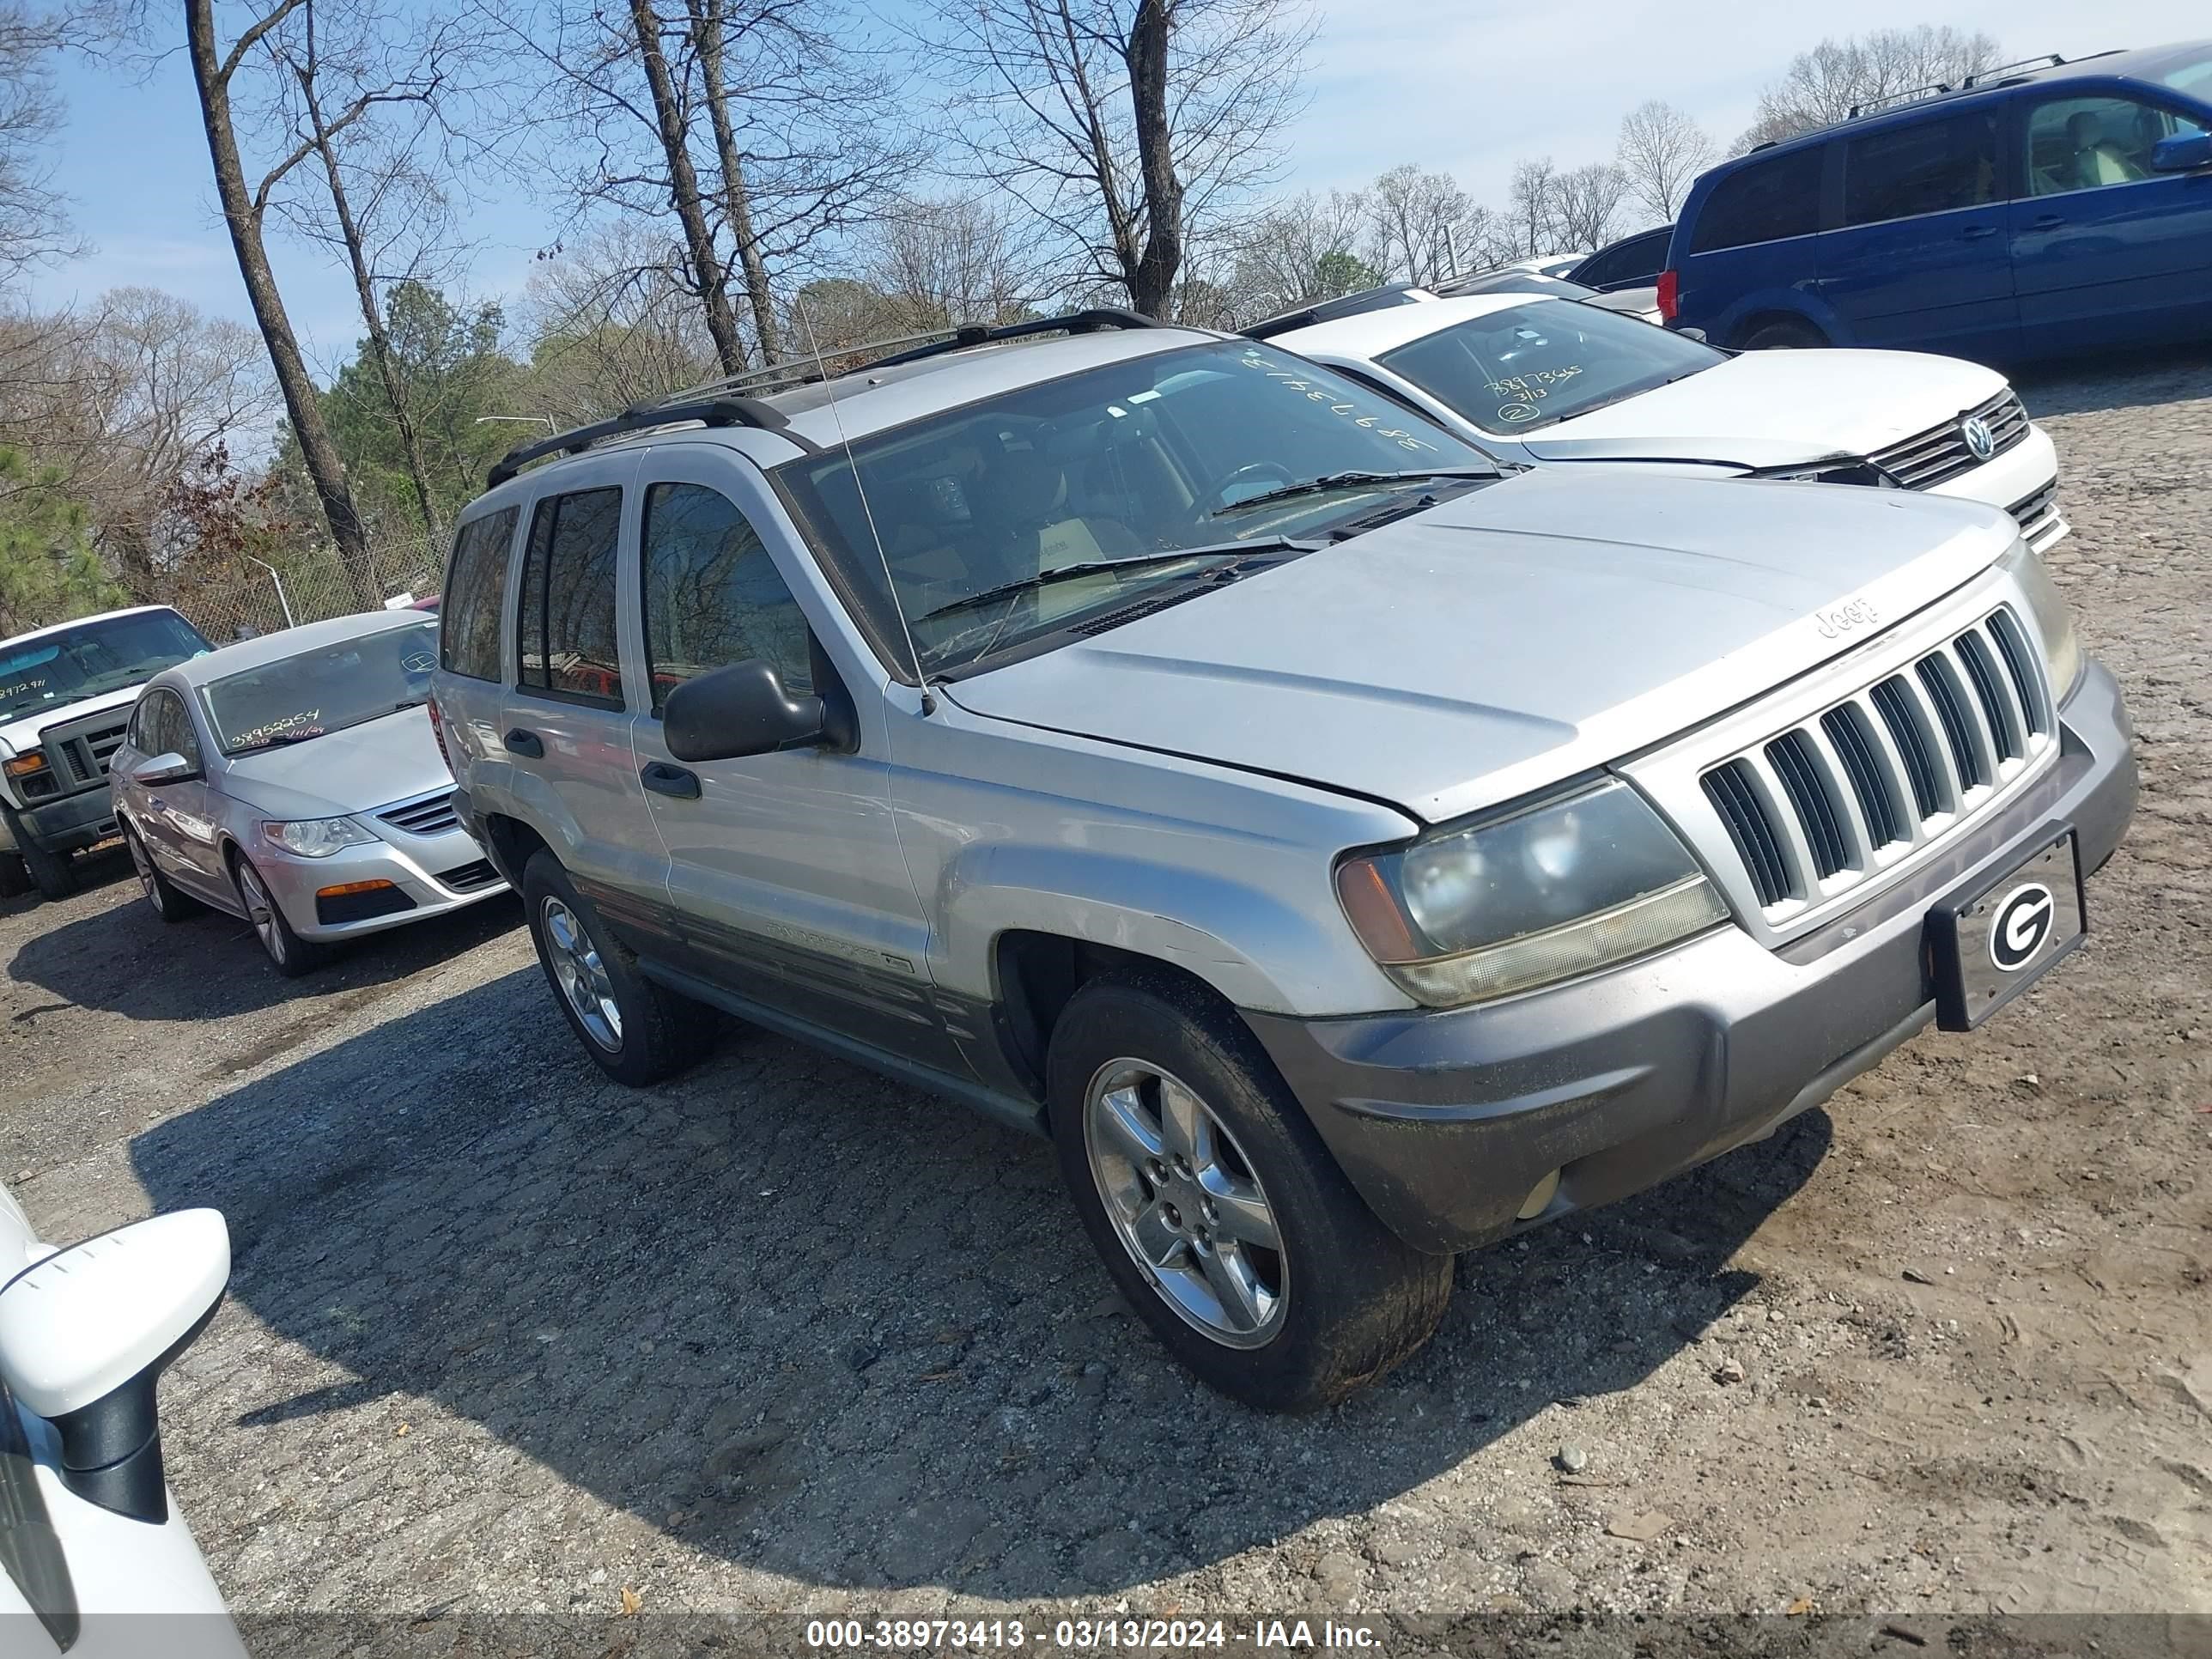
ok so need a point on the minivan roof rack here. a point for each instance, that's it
(913, 348)
(644, 417)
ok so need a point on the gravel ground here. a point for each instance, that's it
(783, 1336)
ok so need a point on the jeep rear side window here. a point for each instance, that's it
(476, 581)
(566, 629)
(712, 595)
(1763, 202)
(1929, 167)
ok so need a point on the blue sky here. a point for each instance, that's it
(1464, 86)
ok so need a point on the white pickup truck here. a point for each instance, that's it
(65, 696)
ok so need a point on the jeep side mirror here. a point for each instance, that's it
(85, 1333)
(157, 769)
(2184, 152)
(1697, 334)
(726, 714)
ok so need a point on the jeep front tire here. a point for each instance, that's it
(1216, 1208)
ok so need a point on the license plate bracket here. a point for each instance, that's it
(1990, 941)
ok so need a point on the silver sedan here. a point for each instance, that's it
(295, 781)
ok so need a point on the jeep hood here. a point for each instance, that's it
(351, 770)
(23, 734)
(1483, 649)
(1777, 409)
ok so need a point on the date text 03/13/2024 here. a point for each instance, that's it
(1089, 1635)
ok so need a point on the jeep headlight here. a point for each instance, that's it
(1564, 888)
(2053, 620)
(317, 838)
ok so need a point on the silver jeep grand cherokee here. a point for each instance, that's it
(1346, 855)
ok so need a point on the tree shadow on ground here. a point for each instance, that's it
(814, 1321)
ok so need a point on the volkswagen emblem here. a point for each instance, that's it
(1980, 439)
(2023, 922)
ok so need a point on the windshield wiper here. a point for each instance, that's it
(1096, 567)
(1353, 480)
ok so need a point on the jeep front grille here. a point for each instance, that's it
(433, 815)
(1940, 454)
(1816, 810)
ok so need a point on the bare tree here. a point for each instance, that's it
(1422, 227)
(1586, 203)
(753, 124)
(1304, 247)
(1130, 129)
(245, 211)
(1534, 211)
(1825, 85)
(611, 325)
(1660, 150)
(33, 218)
(962, 259)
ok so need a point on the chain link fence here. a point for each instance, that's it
(261, 596)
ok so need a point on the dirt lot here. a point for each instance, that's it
(783, 1336)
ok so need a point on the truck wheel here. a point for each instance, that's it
(51, 872)
(1216, 1208)
(291, 955)
(640, 1032)
(168, 903)
(15, 879)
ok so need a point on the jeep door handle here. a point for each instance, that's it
(2045, 220)
(519, 742)
(1975, 233)
(665, 780)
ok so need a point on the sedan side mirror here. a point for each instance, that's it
(727, 713)
(2184, 152)
(85, 1333)
(1697, 334)
(157, 769)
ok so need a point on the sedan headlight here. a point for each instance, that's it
(2048, 610)
(317, 838)
(1566, 888)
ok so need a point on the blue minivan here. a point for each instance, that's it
(2028, 212)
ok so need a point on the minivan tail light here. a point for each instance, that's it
(1670, 295)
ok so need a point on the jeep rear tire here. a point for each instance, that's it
(639, 1032)
(1784, 334)
(1216, 1208)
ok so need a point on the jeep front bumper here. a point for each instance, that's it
(1446, 1122)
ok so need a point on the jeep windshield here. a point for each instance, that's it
(1513, 371)
(1223, 450)
(110, 653)
(326, 690)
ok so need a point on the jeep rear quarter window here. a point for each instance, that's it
(1763, 202)
(566, 630)
(475, 582)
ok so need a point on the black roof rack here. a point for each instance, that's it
(913, 347)
(2040, 61)
(717, 411)
(718, 403)
(2002, 75)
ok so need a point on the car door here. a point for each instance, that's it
(786, 880)
(565, 722)
(181, 814)
(1918, 258)
(2106, 251)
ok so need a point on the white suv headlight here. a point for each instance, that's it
(1564, 888)
(2048, 610)
(317, 838)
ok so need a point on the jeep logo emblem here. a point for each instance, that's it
(2023, 923)
(1980, 439)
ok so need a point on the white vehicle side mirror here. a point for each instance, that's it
(85, 1333)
